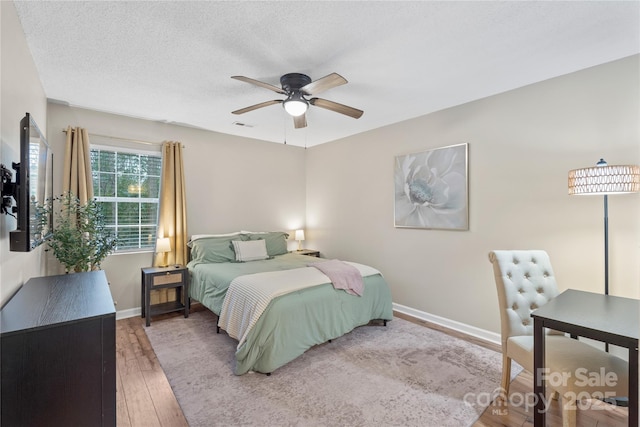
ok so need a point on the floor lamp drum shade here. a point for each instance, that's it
(603, 179)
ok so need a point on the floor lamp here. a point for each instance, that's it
(603, 179)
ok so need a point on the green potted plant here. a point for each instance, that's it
(80, 239)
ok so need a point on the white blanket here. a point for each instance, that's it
(249, 295)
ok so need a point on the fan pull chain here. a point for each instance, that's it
(284, 128)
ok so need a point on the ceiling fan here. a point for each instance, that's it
(297, 87)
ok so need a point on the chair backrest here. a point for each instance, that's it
(525, 281)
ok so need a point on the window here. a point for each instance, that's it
(127, 184)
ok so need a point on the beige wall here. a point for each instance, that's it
(21, 93)
(521, 145)
(232, 183)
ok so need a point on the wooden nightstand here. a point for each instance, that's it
(308, 252)
(154, 278)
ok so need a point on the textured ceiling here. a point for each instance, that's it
(172, 61)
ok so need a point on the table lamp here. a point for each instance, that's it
(603, 179)
(299, 236)
(163, 245)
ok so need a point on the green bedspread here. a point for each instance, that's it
(293, 322)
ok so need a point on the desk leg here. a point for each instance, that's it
(538, 365)
(633, 386)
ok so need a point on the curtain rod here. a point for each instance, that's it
(120, 139)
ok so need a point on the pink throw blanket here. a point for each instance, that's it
(342, 275)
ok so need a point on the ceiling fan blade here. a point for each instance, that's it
(300, 121)
(255, 107)
(338, 108)
(324, 83)
(259, 83)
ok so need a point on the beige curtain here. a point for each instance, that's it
(77, 165)
(172, 220)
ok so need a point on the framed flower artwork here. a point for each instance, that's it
(431, 189)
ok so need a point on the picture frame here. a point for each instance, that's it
(431, 189)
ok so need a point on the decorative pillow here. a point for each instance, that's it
(250, 250)
(214, 249)
(276, 241)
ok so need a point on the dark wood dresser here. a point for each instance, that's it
(58, 349)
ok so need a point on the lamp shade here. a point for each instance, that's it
(299, 235)
(605, 179)
(163, 245)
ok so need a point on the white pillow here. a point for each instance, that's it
(250, 250)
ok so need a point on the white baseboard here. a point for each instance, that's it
(482, 334)
(131, 312)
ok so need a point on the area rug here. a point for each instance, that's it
(403, 374)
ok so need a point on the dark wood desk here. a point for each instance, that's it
(605, 318)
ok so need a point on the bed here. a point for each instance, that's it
(294, 319)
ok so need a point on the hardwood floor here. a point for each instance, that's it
(145, 398)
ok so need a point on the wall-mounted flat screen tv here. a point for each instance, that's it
(34, 179)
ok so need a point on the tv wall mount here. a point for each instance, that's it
(9, 189)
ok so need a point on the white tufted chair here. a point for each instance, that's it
(525, 281)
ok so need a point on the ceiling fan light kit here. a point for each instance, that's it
(296, 86)
(295, 104)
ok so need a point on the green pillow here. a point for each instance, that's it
(276, 241)
(214, 249)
